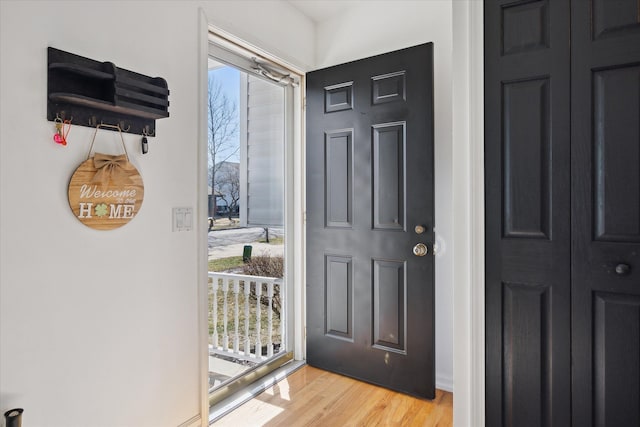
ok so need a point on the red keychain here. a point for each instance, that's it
(62, 130)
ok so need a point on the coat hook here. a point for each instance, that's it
(121, 124)
(145, 132)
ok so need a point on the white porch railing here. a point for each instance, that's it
(238, 324)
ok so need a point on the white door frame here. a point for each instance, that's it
(294, 205)
(468, 212)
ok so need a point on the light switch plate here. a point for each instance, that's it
(182, 219)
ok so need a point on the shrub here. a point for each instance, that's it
(267, 266)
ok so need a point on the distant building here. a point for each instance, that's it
(261, 152)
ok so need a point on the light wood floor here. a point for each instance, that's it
(312, 397)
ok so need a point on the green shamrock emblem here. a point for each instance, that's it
(101, 209)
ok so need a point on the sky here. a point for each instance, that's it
(229, 79)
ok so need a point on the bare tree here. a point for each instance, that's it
(228, 186)
(223, 127)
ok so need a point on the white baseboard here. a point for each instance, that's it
(192, 422)
(444, 383)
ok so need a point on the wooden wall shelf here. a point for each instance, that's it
(90, 92)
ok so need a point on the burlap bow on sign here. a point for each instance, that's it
(111, 169)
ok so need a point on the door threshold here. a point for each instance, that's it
(247, 393)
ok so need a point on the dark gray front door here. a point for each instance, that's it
(370, 299)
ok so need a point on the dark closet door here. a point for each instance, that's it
(605, 129)
(532, 172)
(527, 179)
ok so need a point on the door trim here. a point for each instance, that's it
(201, 215)
(468, 214)
(237, 53)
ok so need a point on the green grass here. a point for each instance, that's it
(223, 264)
(274, 241)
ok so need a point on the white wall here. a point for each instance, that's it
(270, 25)
(100, 328)
(372, 28)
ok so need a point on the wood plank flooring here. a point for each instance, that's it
(312, 397)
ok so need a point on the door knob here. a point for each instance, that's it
(420, 249)
(622, 269)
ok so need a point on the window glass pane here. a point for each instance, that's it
(246, 139)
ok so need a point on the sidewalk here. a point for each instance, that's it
(231, 242)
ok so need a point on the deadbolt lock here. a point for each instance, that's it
(419, 229)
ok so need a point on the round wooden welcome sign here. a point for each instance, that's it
(106, 192)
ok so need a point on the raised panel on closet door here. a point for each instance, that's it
(616, 154)
(526, 158)
(616, 356)
(610, 19)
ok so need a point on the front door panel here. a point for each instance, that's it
(370, 300)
